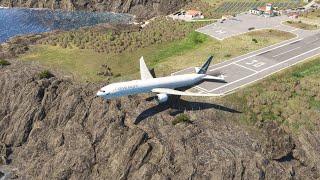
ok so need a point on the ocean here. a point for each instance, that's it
(20, 21)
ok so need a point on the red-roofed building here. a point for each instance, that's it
(188, 15)
(194, 13)
(266, 10)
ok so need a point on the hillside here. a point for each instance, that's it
(55, 128)
(143, 9)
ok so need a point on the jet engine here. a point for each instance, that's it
(161, 98)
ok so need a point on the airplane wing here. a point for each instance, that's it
(180, 93)
(144, 71)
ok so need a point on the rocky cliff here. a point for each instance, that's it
(56, 129)
(141, 8)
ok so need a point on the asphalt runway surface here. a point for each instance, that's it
(249, 68)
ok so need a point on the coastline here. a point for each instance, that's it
(105, 18)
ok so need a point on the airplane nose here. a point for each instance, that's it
(99, 93)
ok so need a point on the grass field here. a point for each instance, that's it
(312, 17)
(85, 63)
(223, 50)
(165, 58)
(302, 25)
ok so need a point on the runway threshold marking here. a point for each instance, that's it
(286, 52)
(266, 69)
(245, 84)
(245, 67)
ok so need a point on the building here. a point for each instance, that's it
(255, 11)
(188, 15)
(267, 11)
(194, 14)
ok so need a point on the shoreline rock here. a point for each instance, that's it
(142, 9)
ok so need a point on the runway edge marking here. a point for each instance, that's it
(232, 90)
(295, 39)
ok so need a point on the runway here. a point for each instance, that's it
(249, 68)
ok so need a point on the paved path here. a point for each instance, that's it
(246, 69)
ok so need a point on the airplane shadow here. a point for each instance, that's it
(179, 106)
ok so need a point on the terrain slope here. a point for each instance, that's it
(143, 9)
(54, 128)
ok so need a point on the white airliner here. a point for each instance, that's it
(163, 86)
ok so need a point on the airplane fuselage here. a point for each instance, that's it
(144, 86)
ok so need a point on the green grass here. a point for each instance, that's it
(314, 69)
(4, 62)
(315, 104)
(84, 64)
(181, 118)
(222, 50)
(193, 40)
(45, 74)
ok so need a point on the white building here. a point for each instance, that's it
(188, 15)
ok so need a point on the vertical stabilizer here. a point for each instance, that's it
(206, 65)
(144, 71)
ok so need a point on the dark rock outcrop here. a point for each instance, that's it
(57, 129)
(141, 8)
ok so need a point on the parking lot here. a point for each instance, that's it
(243, 23)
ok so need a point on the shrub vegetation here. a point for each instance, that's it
(181, 118)
(114, 41)
(4, 62)
(46, 74)
(302, 25)
(255, 40)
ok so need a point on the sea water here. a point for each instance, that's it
(20, 21)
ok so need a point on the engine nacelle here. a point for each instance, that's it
(161, 98)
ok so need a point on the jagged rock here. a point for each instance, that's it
(4, 153)
(278, 143)
(143, 9)
(58, 129)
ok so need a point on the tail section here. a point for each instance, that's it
(206, 65)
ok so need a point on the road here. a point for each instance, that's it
(249, 68)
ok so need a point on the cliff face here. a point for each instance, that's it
(141, 8)
(53, 128)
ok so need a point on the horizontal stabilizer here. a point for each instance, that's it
(218, 78)
(180, 93)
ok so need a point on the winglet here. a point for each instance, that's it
(205, 67)
(144, 71)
